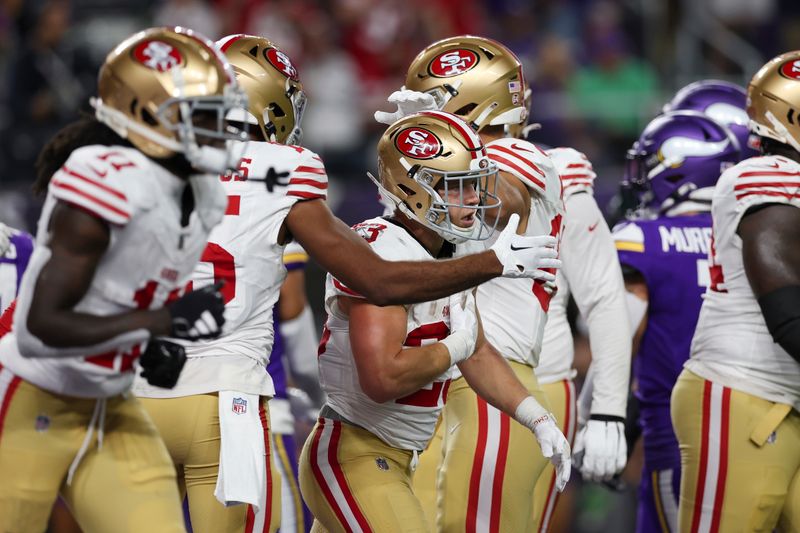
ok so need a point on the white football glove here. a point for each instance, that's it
(5, 238)
(463, 327)
(552, 441)
(600, 449)
(408, 103)
(524, 256)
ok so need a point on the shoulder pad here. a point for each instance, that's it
(529, 164)
(628, 236)
(575, 170)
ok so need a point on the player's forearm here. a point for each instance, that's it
(406, 373)
(421, 281)
(69, 329)
(491, 377)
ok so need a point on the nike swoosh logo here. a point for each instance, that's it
(774, 165)
(593, 226)
(515, 248)
(100, 174)
(515, 146)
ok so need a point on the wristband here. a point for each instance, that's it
(530, 413)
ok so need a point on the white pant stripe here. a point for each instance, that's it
(329, 477)
(712, 470)
(488, 468)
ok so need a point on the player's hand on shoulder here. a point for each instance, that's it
(198, 314)
(407, 102)
(600, 448)
(524, 256)
(162, 363)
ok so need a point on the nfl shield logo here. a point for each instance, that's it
(239, 406)
(382, 464)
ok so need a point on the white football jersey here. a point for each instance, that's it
(732, 345)
(243, 251)
(514, 311)
(406, 423)
(149, 259)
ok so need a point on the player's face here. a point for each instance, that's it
(463, 217)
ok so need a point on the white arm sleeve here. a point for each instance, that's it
(595, 279)
(300, 337)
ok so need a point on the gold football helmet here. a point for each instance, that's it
(476, 78)
(274, 91)
(773, 100)
(167, 90)
(422, 159)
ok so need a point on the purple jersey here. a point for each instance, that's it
(13, 265)
(671, 253)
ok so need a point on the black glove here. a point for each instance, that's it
(198, 314)
(162, 363)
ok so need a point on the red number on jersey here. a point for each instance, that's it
(715, 270)
(224, 268)
(240, 174)
(437, 394)
(539, 289)
(369, 232)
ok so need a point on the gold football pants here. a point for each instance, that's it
(189, 426)
(740, 459)
(125, 485)
(353, 481)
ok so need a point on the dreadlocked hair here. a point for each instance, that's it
(85, 131)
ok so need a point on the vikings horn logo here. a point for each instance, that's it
(157, 55)
(418, 143)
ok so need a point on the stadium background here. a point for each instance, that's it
(599, 71)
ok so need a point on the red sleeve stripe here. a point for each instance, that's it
(577, 177)
(524, 175)
(105, 210)
(344, 288)
(94, 192)
(103, 186)
(768, 193)
(577, 183)
(578, 165)
(516, 156)
(311, 170)
(756, 173)
(766, 184)
(309, 182)
(305, 195)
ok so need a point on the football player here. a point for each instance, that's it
(15, 252)
(127, 214)
(294, 353)
(735, 405)
(663, 248)
(387, 370)
(481, 81)
(225, 379)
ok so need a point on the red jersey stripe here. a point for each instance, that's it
(311, 170)
(757, 173)
(98, 203)
(103, 186)
(525, 174)
(767, 193)
(748, 185)
(310, 182)
(305, 195)
(516, 156)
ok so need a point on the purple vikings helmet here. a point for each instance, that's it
(723, 101)
(674, 165)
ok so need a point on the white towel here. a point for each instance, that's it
(242, 453)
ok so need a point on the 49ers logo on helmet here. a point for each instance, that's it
(157, 55)
(453, 63)
(418, 143)
(791, 69)
(281, 61)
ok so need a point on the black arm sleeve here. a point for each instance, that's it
(781, 310)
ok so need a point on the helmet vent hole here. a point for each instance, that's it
(487, 53)
(407, 190)
(277, 110)
(466, 110)
(134, 103)
(149, 118)
(790, 116)
(253, 51)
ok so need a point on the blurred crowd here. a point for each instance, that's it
(599, 69)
